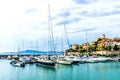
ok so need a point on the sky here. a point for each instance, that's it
(24, 23)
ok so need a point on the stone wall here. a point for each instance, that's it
(107, 52)
(96, 53)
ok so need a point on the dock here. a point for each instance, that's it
(6, 55)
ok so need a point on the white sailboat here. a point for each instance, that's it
(15, 60)
(46, 61)
(97, 59)
(62, 60)
(73, 59)
(17, 63)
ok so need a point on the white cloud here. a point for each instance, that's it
(27, 20)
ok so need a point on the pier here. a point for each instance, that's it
(6, 55)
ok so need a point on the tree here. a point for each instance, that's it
(94, 46)
(81, 51)
(80, 47)
(99, 39)
(115, 48)
(108, 48)
(75, 47)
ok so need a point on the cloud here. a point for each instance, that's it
(101, 12)
(28, 20)
(65, 14)
(84, 1)
(84, 30)
(32, 10)
(68, 21)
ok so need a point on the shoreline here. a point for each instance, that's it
(99, 53)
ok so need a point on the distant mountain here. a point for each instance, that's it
(40, 52)
(34, 52)
(9, 53)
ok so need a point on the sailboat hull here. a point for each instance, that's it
(75, 62)
(64, 62)
(17, 63)
(46, 63)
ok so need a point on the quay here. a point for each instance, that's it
(99, 53)
(6, 55)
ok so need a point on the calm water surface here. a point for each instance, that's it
(91, 71)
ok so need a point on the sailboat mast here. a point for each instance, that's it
(62, 44)
(18, 51)
(37, 47)
(51, 30)
(67, 37)
(87, 41)
(23, 44)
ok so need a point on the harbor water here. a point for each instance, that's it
(86, 71)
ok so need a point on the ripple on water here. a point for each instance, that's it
(88, 71)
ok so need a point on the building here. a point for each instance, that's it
(106, 42)
(86, 46)
(75, 46)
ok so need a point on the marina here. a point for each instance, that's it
(87, 71)
(60, 40)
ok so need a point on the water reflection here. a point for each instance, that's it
(64, 72)
(46, 67)
(46, 72)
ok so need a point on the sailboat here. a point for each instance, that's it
(73, 59)
(46, 61)
(61, 59)
(16, 62)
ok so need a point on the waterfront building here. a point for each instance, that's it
(106, 43)
(75, 46)
(101, 44)
(86, 46)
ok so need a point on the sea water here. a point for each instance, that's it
(87, 71)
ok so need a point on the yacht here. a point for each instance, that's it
(74, 59)
(45, 61)
(96, 59)
(62, 60)
(17, 63)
